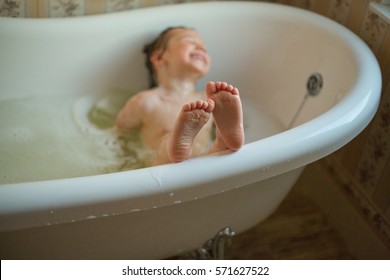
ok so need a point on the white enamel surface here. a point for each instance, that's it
(267, 51)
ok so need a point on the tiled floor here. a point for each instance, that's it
(298, 230)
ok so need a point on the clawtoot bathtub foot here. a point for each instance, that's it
(213, 249)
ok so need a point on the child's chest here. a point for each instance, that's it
(162, 115)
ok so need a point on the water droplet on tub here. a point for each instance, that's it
(91, 217)
(135, 210)
(172, 194)
(177, 202)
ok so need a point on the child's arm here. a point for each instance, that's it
(131, 115)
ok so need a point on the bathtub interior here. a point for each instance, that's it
(84, 57)
(272, 66)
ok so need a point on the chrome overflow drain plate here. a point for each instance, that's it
(314, 84)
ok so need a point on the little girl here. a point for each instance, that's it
(175, 119)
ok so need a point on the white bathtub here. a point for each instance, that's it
(268, 51)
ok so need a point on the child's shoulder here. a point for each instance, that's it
(148, 93)
(145, 100)
(145, 95)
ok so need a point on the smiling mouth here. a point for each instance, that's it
(198, 56)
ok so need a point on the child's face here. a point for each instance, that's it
(185, 51)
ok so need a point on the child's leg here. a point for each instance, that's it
(176, 145)
(227, 116)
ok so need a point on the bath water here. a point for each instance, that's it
(55, 137)
(52, 137)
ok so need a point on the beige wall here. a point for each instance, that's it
(361, 170)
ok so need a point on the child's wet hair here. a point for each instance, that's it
(159, 43)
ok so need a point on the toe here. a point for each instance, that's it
(210, 106)
(210, 88)
(187, 107)
(205, 105)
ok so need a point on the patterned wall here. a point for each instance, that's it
(66, 8)
(362, 168)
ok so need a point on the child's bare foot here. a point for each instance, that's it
(192, 118)
(227, 114)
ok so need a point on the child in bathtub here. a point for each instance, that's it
(175, 119)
